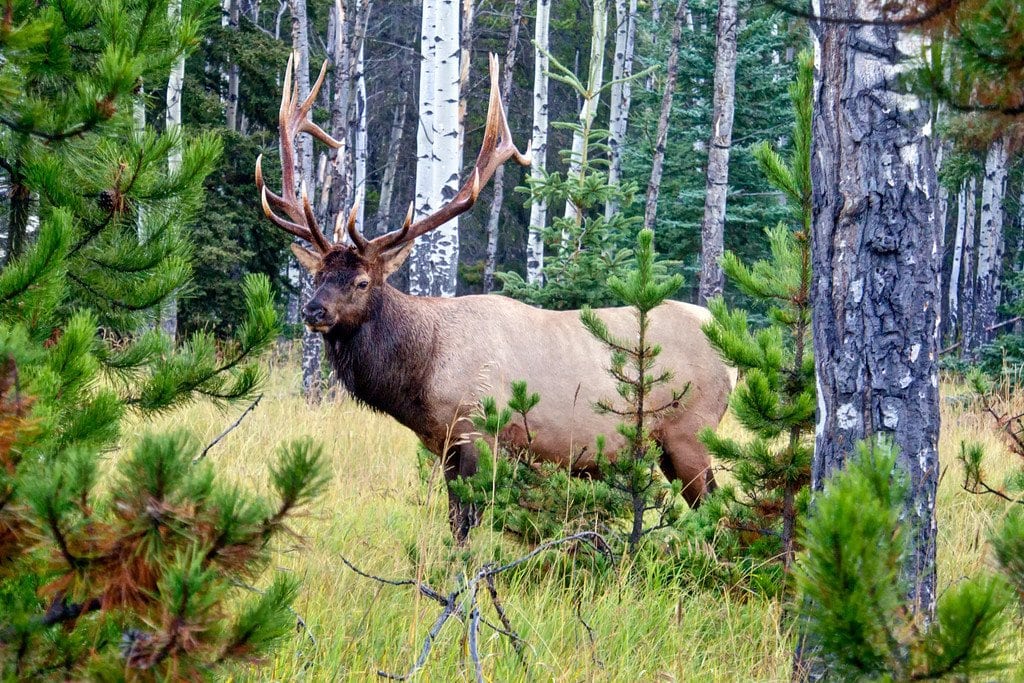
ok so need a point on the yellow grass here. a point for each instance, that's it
(380, 515)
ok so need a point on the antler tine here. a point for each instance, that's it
(497, 148)
(293, 118)
(357, 239)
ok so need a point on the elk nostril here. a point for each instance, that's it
(313, 311)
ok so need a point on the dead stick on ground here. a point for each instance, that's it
(227, 431)
(453, 602)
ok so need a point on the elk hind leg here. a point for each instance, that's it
(684, 458)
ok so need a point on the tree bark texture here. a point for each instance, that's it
(172, 120)
(969, 286)
(953, 306)
(712, 229)
(621, 93)
(539, 150)
(990, 240)
(433, 264)
(876, 260)
(661, 137)
(312, 342)
(387, 185)
(588, 108)
(234, 16)
(494, 217)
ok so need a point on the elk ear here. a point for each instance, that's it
(393, 260)
(307, 259)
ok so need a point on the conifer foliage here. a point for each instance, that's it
(854, 592)
(775, 399)
(134, 569)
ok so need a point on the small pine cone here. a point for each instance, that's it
(111, 201)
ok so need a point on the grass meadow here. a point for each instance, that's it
(382, 516)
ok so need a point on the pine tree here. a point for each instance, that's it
(776, 397)
(137, 572)
(854, 589)
(585, 247)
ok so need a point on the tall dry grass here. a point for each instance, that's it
(380, 515)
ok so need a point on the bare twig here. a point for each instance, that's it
(230, 429)
(593, 638)
(452, 607)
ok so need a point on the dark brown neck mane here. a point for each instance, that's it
(386, 361)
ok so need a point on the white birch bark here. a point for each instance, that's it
(234, 16)
(426, 201)
(175, 83)
(387, 185)
(713, 225)
(969, 286)
(655, 19)
(588, 109)
(621, 93)
(953, 308)
(498, 183)
(360, 152)
(539, 150)
(661, 138)
(312, 342)
(433, 264)
(990, 238)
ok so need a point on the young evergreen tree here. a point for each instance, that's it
(135, 573)
(854, 589)
(776, 397)
(584, 247)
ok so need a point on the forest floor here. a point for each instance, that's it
(380, 514)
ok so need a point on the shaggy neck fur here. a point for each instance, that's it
(385, 362)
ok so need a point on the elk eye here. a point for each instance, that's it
(362, 284)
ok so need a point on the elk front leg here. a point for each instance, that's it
(460, 461)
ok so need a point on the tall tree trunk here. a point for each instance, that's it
(358, 122)
(433, 264)
(588, 108)
(539, 151)
(658, 161)
(491, 263)
(953, 306)
(712, 229)
(312, 342)
(876, 259)
(175, 84)
(656, 20)
(969, 287)
(990, 239)
(234, 17)
(622, 93)
(337, 191)
(387, 185)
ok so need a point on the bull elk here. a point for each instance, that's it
(411, 357)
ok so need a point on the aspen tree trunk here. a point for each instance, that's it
(234, 16)
(658, 162)
(588, 108)
(713, 226)
(312, 342)
(360, 151)
(539, 151)
(491, 263)
(621, 93)
(876, 257)
(953, 307)
(970, 285)
(990, 240)
(339, 190)
(175, 84)
(655, 19)
(426, 201)
(387, 185)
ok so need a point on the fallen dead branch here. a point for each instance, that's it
(463, 602)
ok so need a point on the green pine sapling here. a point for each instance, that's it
(853, 595)
(633, 472)
(583, 247)
(775, 399)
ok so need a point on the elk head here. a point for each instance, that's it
(347, 276)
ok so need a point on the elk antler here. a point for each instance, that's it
(292, 120)
(497, 148)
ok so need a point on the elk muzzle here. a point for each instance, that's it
(314, 314)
